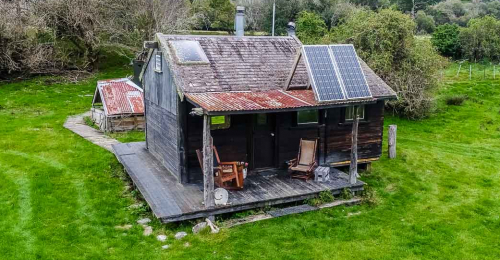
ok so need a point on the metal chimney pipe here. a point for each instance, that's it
(239, 21)
(290, 29)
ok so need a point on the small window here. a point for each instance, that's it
(220, 122)
(189, 52)
(307, 117)
(349, 112)
(261, 119)
(158, 62)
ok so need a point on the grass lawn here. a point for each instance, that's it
(61, 197)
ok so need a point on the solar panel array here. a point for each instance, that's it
(335, 72)
(325, 81)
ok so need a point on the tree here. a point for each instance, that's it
(413, 6)
(446, 40)
(425, 23)
(215, 14)
(286, 11)
(387, 42)
(481, 39)
(310, 27)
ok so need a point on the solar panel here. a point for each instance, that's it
(325, 81)
(351, 74)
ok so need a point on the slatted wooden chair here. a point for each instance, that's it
(226, 174)
(303, 166)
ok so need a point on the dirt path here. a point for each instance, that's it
(78, 126)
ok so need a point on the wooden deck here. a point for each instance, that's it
(172, 201)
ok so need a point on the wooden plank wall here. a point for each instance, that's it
(161, 101)
(369, 136)
(233, 144)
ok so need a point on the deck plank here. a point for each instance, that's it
(172, 201)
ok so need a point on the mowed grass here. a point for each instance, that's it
(61, 197)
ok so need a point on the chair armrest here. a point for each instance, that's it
(292, 162)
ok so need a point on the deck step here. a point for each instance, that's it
(289, 211)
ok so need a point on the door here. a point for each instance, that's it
(264, 141)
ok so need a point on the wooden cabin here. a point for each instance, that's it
(252, 98)
(239, 82)
(118, 105)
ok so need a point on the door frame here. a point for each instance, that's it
(251, 141)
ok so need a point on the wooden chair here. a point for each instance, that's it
(226, 173)
(303, 166)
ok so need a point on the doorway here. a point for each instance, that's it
(264, 138)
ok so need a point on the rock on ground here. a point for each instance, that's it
(165, 247)
(199, 227)
(147, 231)
(187, 244)
(161, 238)
(180, 235)
(124, 227)
(143, 221)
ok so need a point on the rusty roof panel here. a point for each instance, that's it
(262, 100)
(121, 96)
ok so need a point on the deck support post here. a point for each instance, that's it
(392, 141)
(353, 168)
(208, 175)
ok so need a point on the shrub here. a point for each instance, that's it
(386, 41)
(310, 27)
(481, 39)
(425, 23)
(446, 40)
(456, 100)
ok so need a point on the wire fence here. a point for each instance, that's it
(475, 71)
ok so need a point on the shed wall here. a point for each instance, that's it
(161, 101)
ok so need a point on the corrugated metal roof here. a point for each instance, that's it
(262, 100)
(121, 96)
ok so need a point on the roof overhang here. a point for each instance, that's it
(272, 101)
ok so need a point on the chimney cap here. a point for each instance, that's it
(291, 25)
(240, 9)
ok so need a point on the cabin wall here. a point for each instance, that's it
(370, 134)
(162, 124)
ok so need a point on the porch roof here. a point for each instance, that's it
(266, 101)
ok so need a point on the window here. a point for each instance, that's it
(220, 122)
(158, 62)
(349, 112)
(307, 117)
(189, 52)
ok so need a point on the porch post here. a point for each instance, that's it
(208, 175)
(353, 168)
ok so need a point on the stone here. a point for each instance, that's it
(165, 247)
(161, 238)
(124, 227)
(147, 231)
(187, 244)
(135, 206)
(180, 235)
(199, 227)
(143, 221)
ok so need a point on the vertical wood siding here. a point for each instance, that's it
(162, 110)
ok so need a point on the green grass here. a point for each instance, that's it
(61, 197)
(127, 137)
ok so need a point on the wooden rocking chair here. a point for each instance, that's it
(303, 166)
(225, 172)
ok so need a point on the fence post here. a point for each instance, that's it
(392, 141)
(470, 72)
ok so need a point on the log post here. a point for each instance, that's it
(208, 174)
(392, 141)
(353, 168)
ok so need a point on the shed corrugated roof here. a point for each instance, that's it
(121, 96)
(260, 100)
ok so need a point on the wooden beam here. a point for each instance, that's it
(150, 45)
(392, 141)
(208, 173)
(294, 68)
(353, 168)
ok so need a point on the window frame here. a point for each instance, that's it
(225, 125)
(297, 123)
(347, 111)
(158, 62)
